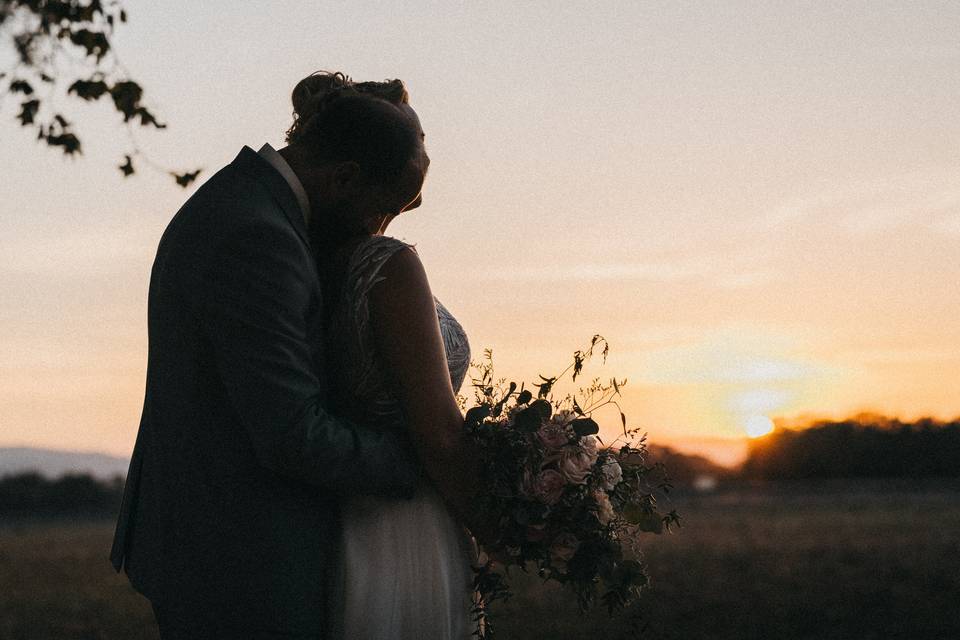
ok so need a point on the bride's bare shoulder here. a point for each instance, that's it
(402, 267)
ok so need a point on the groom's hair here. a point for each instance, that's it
(336, 120)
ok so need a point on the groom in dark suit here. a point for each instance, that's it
(229, 521)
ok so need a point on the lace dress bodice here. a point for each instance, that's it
(359, 379)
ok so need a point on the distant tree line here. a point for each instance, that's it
(684, 470)
(33, 494)
(864, 446)
(860, 447)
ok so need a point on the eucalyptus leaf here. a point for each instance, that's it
(543, 408)
(585, 427)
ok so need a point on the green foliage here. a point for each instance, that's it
(184, 179)
(48, 36)
(89, 89)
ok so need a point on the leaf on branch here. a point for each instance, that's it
(577, 364)
(57, 133)
(184, 179)
(126, 98)
(498, 408)
(127, 167)
(95, 43)
(21, 86)
(476, 415)
(545, 387)
(22, 44)
(69, 142)
(543, 408)
(88, 89)
(28, 111)
(528, 420)
(147, 118)
(577, 409)
(585, 427)
(89, 12)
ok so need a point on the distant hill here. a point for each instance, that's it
(53, 464)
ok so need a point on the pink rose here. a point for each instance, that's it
(553, 435)
(547, 486)
(576, 461)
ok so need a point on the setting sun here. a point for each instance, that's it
(758, 426)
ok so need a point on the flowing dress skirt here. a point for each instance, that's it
(405, 571)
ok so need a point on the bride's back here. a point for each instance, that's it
(360, 386)
(405, 563)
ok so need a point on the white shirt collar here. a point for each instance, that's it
(278, 162)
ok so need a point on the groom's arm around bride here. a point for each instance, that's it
(229, 517)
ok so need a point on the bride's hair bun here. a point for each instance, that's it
(312, 94)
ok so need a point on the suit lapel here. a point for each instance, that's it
(250, 162)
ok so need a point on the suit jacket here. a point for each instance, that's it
(230, 502)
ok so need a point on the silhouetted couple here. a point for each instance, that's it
(300, 469)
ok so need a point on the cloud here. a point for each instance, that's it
(732, 355)
(741, 269)
(864, 207)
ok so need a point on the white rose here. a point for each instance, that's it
(589, 446)
(575, 464)
(610, 474)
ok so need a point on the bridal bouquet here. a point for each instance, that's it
(557, 500)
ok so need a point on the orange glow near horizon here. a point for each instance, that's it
(758, 426)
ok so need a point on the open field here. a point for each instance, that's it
(870, 560)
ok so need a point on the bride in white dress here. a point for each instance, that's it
(395, 358)
(405, 569)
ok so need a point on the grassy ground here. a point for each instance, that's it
(817, 561)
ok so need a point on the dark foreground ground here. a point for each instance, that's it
(839, 560)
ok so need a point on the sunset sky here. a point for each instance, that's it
(758, 204)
